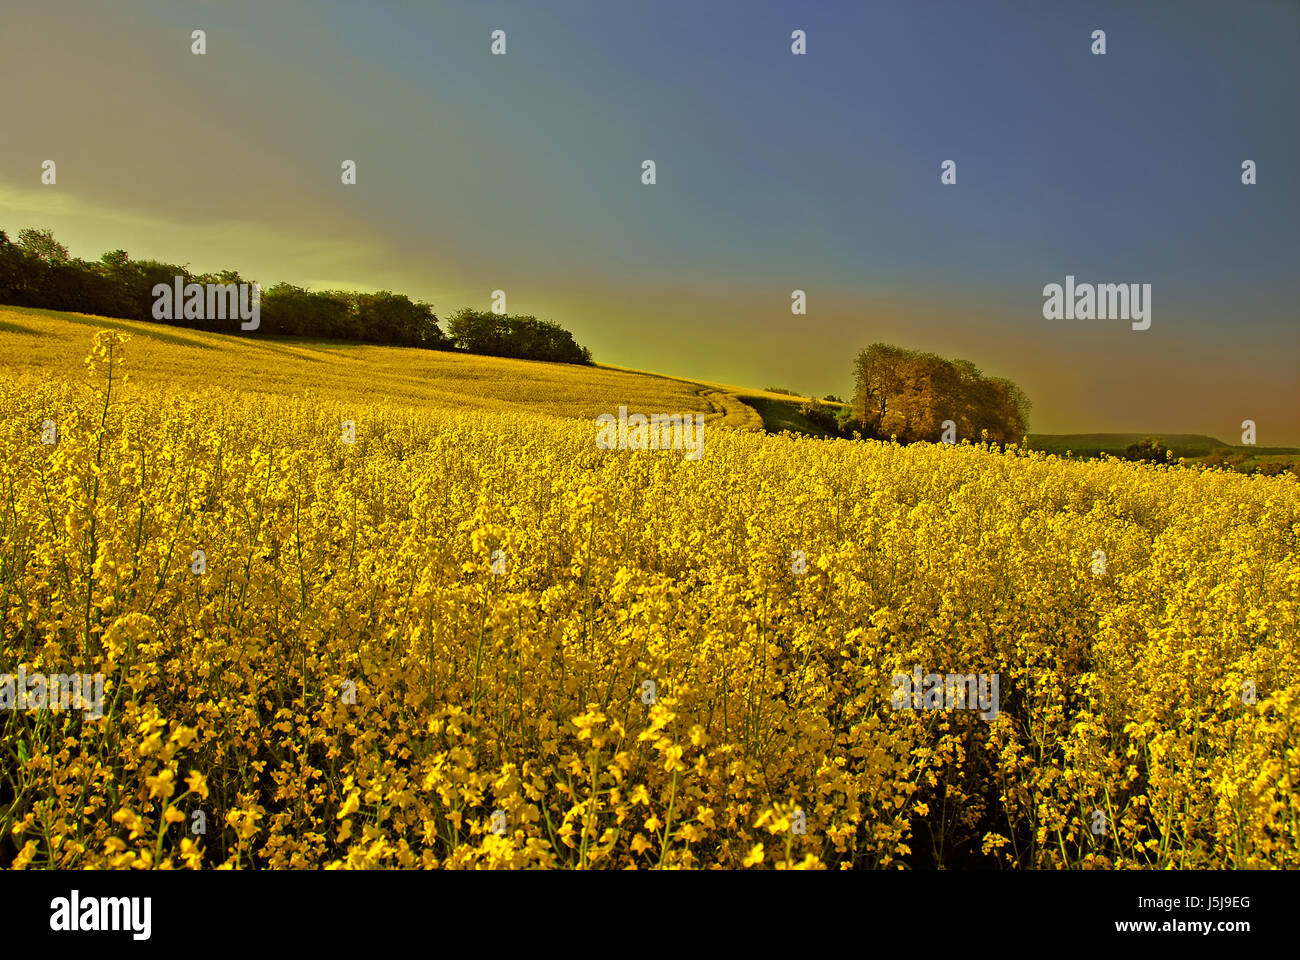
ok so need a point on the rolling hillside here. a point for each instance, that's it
(40, 341)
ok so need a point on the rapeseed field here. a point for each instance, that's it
(466, 637)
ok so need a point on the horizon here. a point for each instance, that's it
(775, 173)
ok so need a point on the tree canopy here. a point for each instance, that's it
(909, 395)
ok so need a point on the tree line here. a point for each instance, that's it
(38, 271)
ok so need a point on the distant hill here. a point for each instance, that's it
(1189, 445)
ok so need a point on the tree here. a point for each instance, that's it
(393, 318)
(42, 245)
(480, 331)
(1011, 410)
(115, 261)
(1148, 449)
(909, 395)
(877, 380)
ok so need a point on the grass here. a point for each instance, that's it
(780, 415)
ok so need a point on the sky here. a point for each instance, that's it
(775, 172)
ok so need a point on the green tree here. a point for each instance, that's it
(42, 245)
(1149, 449)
